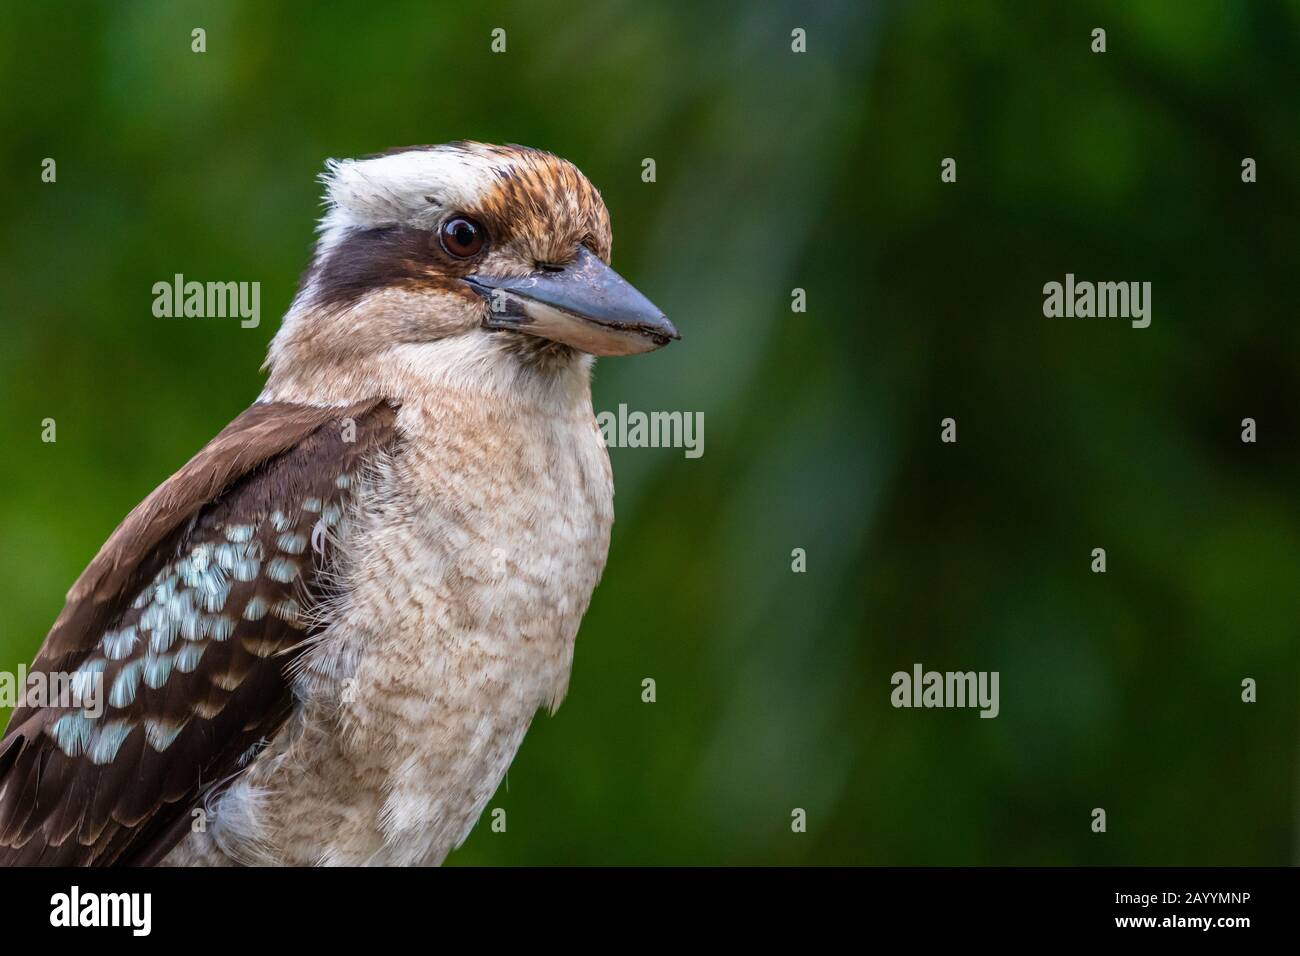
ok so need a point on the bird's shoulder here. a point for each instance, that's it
(172, 649)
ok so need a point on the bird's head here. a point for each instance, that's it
(429, 243)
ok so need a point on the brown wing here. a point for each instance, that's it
(187, 622)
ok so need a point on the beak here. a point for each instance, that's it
(586, 305)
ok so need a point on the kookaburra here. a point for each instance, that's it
(323, 639)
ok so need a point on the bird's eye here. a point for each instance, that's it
(462, 237)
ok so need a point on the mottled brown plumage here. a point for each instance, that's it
(62, 808)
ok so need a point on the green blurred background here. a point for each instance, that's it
(775, 170)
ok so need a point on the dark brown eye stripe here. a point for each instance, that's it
(366, 260)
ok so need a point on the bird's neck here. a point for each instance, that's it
(500, 368)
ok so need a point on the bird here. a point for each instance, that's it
(322, 640)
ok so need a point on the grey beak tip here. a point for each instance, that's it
(586, 288)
